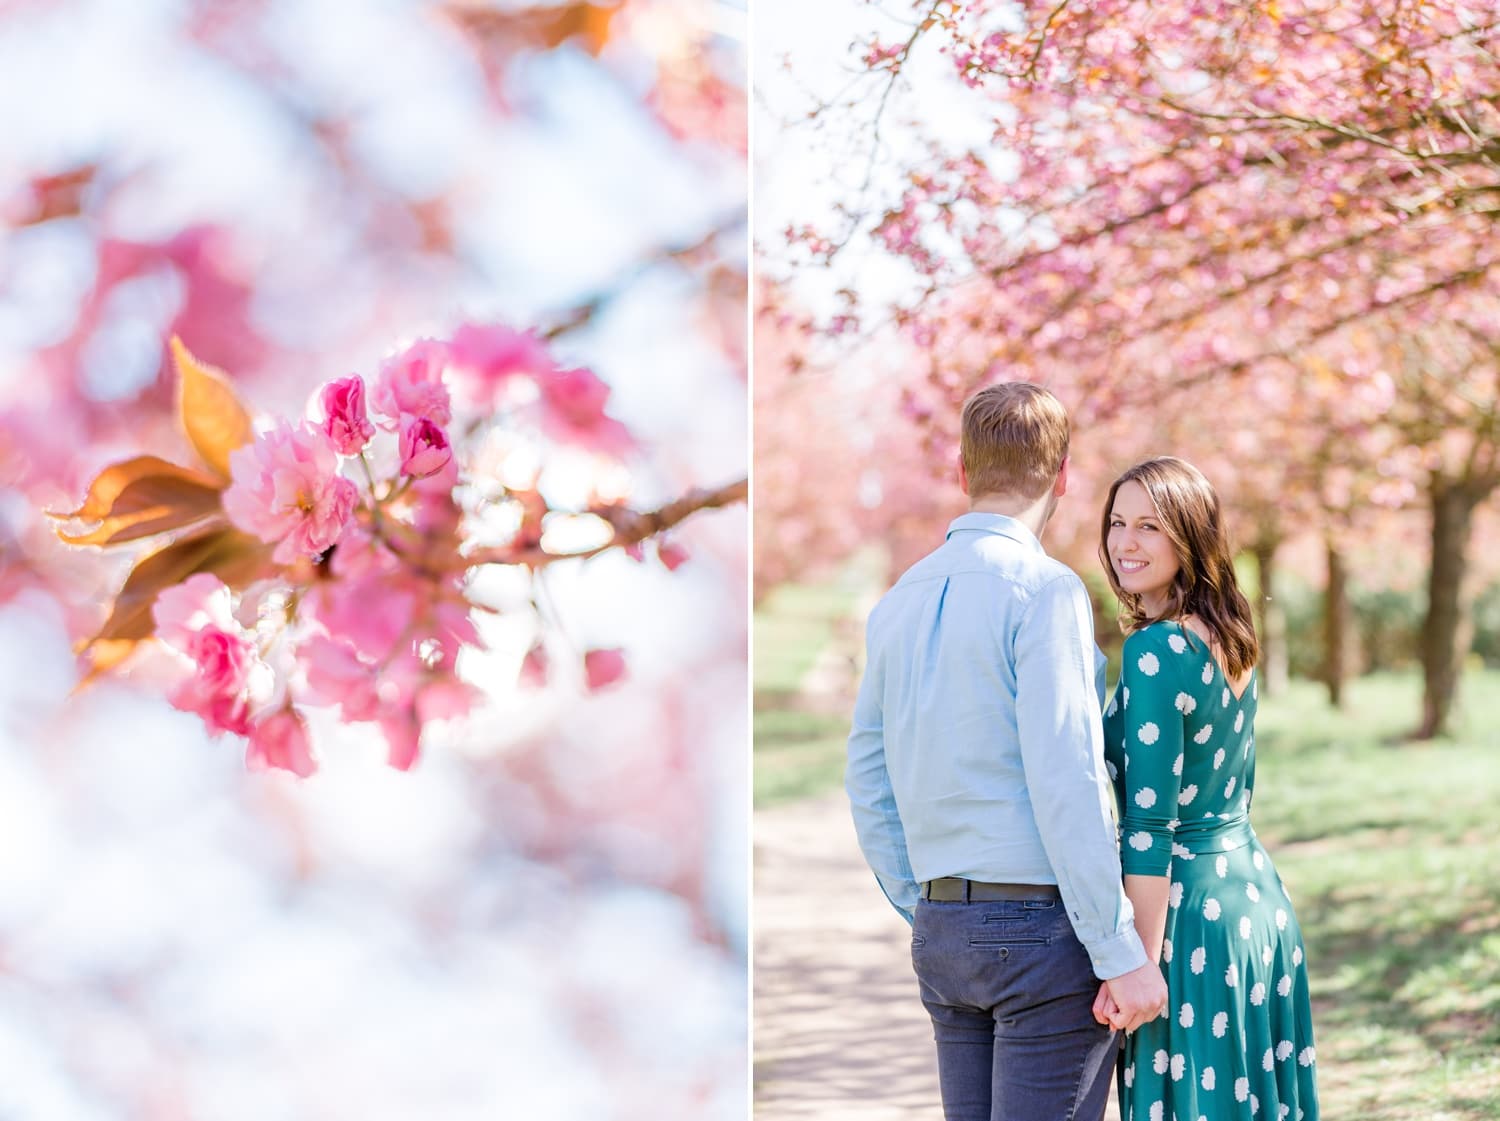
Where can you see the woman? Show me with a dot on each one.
(1236, 1040)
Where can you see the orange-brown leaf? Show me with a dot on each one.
(545, 26)
(140, 497)
(215, 420)
(235, 557)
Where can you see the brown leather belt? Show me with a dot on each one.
(951, 889)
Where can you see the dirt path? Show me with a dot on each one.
(839, 1032)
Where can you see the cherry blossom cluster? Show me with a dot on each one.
(336, 574)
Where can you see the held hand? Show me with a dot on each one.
(1140, 996)
(1105, 1006)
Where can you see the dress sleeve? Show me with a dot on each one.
(1153, 754)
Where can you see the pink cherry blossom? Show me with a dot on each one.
(411, 384)
(222, 669)
(281, 740)
(337, 675)
(487, 356)
(424, 448)
(345, 423)
(671, 554)
(287, 490)
(534, 667)
(573, 412)
(403, 737)
(371, 610)
(602, 668)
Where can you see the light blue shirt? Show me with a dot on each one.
(977, 748)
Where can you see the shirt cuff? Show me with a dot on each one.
(1117, 954)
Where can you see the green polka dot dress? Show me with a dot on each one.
(1237, 1041)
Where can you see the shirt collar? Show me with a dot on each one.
(997, 524)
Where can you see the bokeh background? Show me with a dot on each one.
(1247, 235)
(547, 917)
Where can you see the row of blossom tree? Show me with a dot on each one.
(1264, 226)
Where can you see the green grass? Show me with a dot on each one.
(1391, 852)
(799, 749)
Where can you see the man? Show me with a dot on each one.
(976, 777)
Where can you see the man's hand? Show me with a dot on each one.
(1132, 999)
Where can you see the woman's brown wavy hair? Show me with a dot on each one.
(1205, 584)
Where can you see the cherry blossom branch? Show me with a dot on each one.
(630, 527)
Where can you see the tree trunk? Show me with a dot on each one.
(1270, 619)
(1336, 626)
(1444, 638)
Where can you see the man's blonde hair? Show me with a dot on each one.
(1014, 441)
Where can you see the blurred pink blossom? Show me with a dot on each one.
(671, 554)
(488, 355)
(411, 384)
(345, 422)
(281, 740)
(602, 668)
(424, 448)
(195, 620)
(287, 490)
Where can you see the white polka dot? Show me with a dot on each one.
(1229, 787)
(1157, 1111)
(1266, 954)
(1282, 1110)
(1258, 993)
(1208, 672)
(1244, 926)
(1221, 1024)
(1211, 909)
(1253, 892)
(1232, 975)
(1258, 860)
(1114, 773)
(1254, 1105)
(1149, 733)
(1145, 797)
(1268, 1060)
(1189, 792)
(1204, 734)
(1177, 764)
(1208, 1076)
(1284, 1049)
(1140, 841)
(1179, 1064)
(1181, 852)
(1148, 664)
(1218, 755)
(1241, 1089)
(1185, 1015)
(1297, 955)
(1280, 919)
(1175, 896)
(1114, 705)
(1284, 986)
(1129, 1077)
(1198, 960)
(1186, 703)
(1177, 643)
(1166, 950)
(1227, 696)
(1221, 866)
(1306, 1056)
(1239, 721)
(1160, 1062)
(1125, 692)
